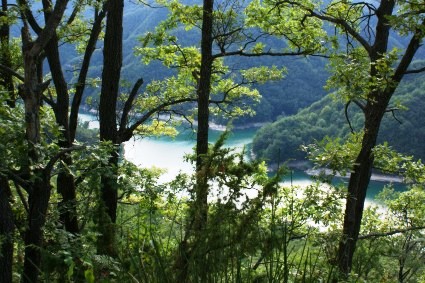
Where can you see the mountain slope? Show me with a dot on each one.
(281, 140)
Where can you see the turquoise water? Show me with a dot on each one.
(375, 187)
(168, 153)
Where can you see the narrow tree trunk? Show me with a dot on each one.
(204, 88)
(38, 203)
(31, 93)
(189, 251)
(6, 230)
(358, 184)
(37, 195)
(112, 62)
(65, 181)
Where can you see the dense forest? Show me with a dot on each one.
(403, 129)
(73, 209)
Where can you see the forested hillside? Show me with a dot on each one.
(302, 85)
(403, 129)
(73, 209)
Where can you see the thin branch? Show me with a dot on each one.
(126, 134)
(22, 197)
(81, 82)
(28, 15)
(346, 116)
(268, 53)
(360, 104)
(48, 169)
(390, 233)
(344, 24)
(415, 71)
(8, 70)
(18, 180)
(393, 112)
(129, 103)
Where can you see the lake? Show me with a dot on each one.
(168, 153)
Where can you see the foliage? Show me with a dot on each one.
(327, 118)
(231, 92)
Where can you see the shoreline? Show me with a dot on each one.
(374, 177)
(307, 167)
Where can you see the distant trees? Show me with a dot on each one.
(252, 229)
(37, 178)
(367, 70)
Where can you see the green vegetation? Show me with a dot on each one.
(283, 140)
(72, 209)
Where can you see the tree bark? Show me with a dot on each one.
(204, 89)
(375, 109)
(65, 181)
(112, 62)
(31, 93)
(6, 230)
(358, 184)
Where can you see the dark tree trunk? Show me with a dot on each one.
(374, 110)
(65, 181)
(357, 187)
(201, 205)
(31, 93)
(38, 203)
(6, 230)
(37, 195)
(112, 62)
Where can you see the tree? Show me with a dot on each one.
(36, 179)
(112, 62)
(65, 117)
(367, 70)
(204, 77)
(6, 219)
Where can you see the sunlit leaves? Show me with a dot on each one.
(350, 74)
(354, 76)
(335, 154)
(156, 128)
(289, 21)
(263, 74)
(394, 162)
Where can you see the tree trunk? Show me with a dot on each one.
(357, 187)
(65, 181)
(196, 251)
(201, 205)
(6, 230)
(112, 62)
(38, 203)
(31, 93)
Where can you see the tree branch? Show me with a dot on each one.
(126, 133)
(129, 103)
(8, 70)
(415, 71)
(390, 233)
(49, 29)
(81, 82)
(48, 168)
